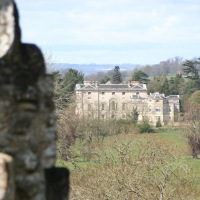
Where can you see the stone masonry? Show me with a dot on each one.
(117, 101)
(27, 115)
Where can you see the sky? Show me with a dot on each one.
(112, 31)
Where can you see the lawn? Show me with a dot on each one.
(126, 160)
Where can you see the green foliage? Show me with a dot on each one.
(145, 128)
(70, 79)
(158, 124)
(176, 84)
(64, 87)
(104, 80)
(134, 115)
(141, 77)
(165, 87)
(189, 87)
(195, 98)
(116, 77)
(190, 68)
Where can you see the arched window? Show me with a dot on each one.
(89, 107)
(102, 106)
(123, 106)
(113, 105)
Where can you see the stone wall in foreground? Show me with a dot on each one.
(27, 118)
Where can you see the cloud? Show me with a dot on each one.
(167, 25)
(96, 29)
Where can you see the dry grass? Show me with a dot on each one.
(136, 167)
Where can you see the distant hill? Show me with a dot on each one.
(90, 68)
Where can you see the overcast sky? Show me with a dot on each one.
(112, 31)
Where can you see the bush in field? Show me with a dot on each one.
(158, 124)
(145, 127)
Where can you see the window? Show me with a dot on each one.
(89, 93)
(113, 93)
(137, 93)
(102, 106)
(157, 118)
(123, 106)
(113, 106)
(157, 109)
(123, 93)
(103, 93)
(89, 106)
(113, 116)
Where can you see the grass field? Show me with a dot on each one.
(131, 165)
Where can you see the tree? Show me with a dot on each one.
(165, 87)
(104, 80)
(141, 77)
(134, 115)
(71, 78)
(190, 68)
(176, 84)
(195, 98)
(192, 116)
(64, 86)
(68, 83)
(116, 77)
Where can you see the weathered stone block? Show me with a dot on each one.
(7, 182)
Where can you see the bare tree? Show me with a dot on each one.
(192, 128)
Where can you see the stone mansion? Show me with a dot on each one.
(117, 101)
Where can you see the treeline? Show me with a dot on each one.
(171, 77)
(171, 66)
(184, 83)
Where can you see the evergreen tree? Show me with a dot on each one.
(141, 77)
(64, 86)
(116, 77)
(71, 78)
(134, 115)
(172, 86)
(190, 68)
(165, 87)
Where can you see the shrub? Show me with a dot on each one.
(158, 124)
(145, 128)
